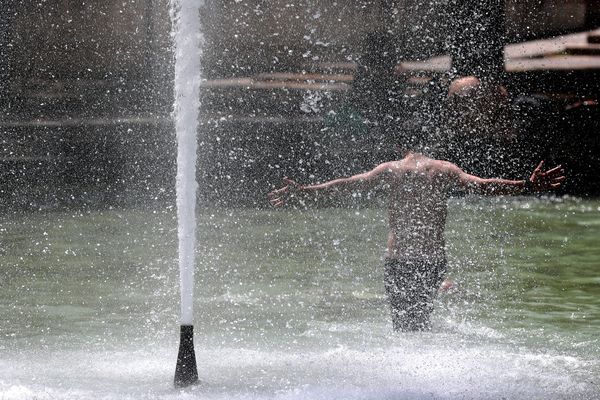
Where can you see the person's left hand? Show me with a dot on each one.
(551, 179)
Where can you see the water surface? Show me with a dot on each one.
(290, 304)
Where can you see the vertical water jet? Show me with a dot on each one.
(186, 31)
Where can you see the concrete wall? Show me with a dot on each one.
(535, 18)
(69, 39)
(67, 58)
(95, 40)
(252, 35)
(255, 35)
(85, 102)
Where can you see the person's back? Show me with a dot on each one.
(417, 207)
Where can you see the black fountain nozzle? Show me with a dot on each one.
(186, 373)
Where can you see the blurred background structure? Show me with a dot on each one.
(308, 89)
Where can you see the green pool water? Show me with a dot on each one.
(291, 304)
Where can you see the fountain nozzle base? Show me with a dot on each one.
(186, 373)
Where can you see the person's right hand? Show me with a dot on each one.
(279, 197)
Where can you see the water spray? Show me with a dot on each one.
(186, 29)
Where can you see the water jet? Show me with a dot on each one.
(185, 19)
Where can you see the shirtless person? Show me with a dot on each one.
(417, 189)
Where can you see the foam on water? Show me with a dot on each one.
(418, 366)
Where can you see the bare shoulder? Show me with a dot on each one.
(392, 167)
(380, 172)
(448, 168)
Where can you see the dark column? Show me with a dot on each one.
(7, 10)
(377, 88)
(592, 14)
(478, 37)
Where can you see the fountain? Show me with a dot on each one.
(293, 305)
(185, 17)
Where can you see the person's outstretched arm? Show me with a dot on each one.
(539, 181)
(357, 183)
